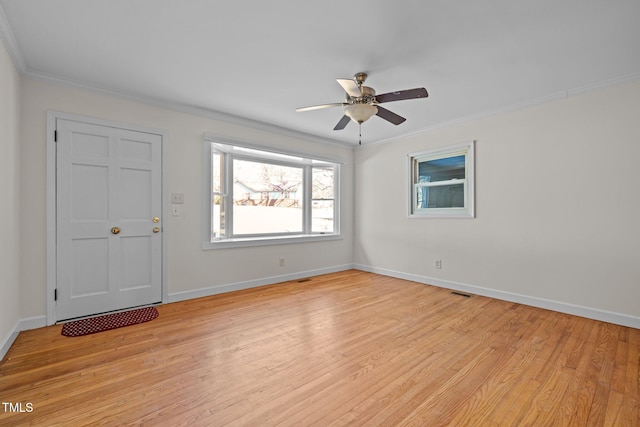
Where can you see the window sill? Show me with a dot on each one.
(267, 241)
(442, 213)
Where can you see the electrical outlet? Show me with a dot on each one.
(438, 263)
(281, 262)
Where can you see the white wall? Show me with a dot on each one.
(189, 267)
(9, 200)
(557, 201)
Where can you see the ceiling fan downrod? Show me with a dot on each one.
(360, 78)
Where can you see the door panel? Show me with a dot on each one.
(90, 277)
(107, 177)
(89, 192)
(136, 262)
(135, 187)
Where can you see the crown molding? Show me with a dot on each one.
(183, 108)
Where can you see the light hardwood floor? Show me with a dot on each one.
(349, 348)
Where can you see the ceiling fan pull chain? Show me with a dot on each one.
(360, 133)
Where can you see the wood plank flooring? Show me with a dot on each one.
(350, 348)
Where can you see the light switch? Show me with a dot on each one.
(177, 198)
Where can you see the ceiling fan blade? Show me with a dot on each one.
(389, 116)
(351, 87)
(344, 121)
(419, 92)
(317, 107)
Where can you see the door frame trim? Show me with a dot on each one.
(51, 189)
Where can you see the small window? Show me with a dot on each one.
(260, 197)
(442, 183)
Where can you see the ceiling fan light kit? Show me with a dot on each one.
(362, 103)
(360, 113)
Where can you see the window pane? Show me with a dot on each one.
(323, 184)
(217, 217)
(442, 169)
(217, 201)
(442, 196)
(322, 209)
(216, 172)
(267, 198)
(322, 216)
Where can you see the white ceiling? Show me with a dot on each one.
(259, 60)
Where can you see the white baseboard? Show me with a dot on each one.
(21, 325)
(34, 322)
(230, 287)
(7, 342)
(562, 307)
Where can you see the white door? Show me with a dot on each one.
(109, 229)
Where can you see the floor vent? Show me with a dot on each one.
(461, 294)
(304, 280)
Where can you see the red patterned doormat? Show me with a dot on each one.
(108, 321)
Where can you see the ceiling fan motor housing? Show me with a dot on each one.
(367, 93)
(360, 109)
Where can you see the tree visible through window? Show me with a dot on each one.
(258, 194)
(267, 198)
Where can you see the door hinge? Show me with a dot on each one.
(55, 136)
(55, 294)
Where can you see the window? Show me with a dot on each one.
(260, 197)
(442, 183)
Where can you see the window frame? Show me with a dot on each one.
(414, 159)
(234, 149)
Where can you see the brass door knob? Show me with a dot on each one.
(156, 220)
(156, 229)
(115, 230)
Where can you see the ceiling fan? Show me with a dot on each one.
(362, 102)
